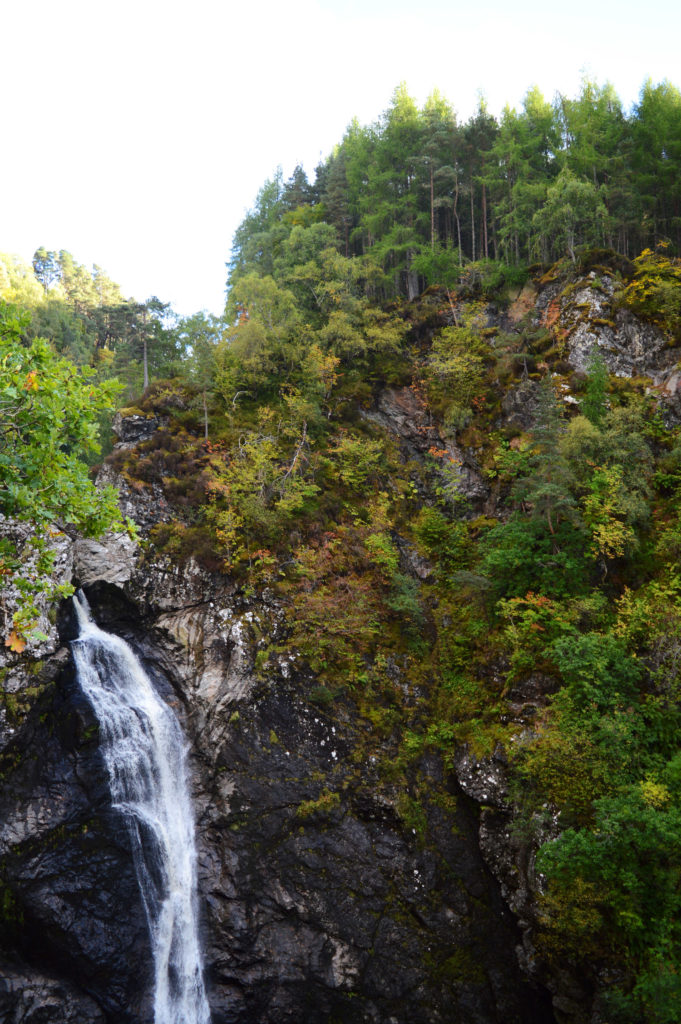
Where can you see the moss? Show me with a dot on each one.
(18, 704)
(325, 804)
(539, 341)
(135, 410)
(413, 814)
(604, 262)
(462, 967)
(322, 696)
(11, 912)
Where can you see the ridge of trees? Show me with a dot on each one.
(418, 194)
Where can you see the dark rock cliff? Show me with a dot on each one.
(318, 901)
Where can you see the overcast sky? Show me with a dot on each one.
(136, 133)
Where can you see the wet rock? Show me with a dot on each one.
(30, 997)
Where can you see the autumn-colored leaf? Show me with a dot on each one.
(31, 382)
(15, 642)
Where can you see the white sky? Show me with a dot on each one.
(136, 133)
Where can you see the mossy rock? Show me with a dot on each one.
(604, 261)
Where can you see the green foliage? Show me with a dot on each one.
(594, 404)
(533, 622)
(444, 541)
(573, 213)
(336, 611)
(455, 372)
(48, 420)
(630, 866)
(357, 460)
(418, 199)
(261, 490)
(438, 265)
(524, 555)
(598, 672)
(655, 291)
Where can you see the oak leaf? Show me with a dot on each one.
(15, 642)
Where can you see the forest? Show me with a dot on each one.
(522, 532)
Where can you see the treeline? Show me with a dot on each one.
(417, 194)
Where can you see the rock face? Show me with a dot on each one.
(588, 314)
(402, 412)
(26, 541)
(133, 428)
(33, 998)
(321, 898)
(628, 346)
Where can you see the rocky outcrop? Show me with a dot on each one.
(629, 346)
(130, 428)
(146, 506)
(588, 313)
(519, 405)
(402, 412)
(111, 560)
(28, 543)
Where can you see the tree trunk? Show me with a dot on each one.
(412, 279)
(432, 209)
(145, 361)
(456, 217)
(484, 220)
(472, 221)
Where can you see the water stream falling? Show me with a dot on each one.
(145, 754)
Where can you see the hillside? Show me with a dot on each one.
(406, 559)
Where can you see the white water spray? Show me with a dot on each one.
(145, 755)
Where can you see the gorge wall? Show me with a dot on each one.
(336, 884)
(318, 903)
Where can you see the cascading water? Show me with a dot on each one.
(145, 756)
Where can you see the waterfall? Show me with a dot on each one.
(145, 754)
